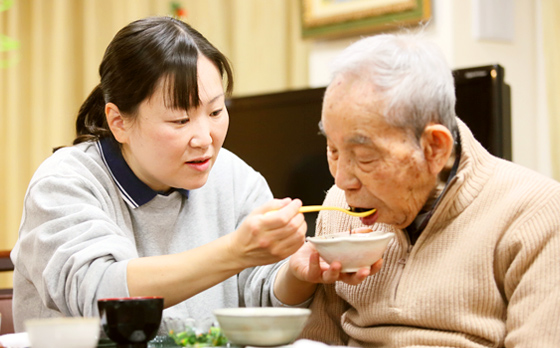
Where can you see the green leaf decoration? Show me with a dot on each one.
(5, 4)
(7, 44)
(8, 63)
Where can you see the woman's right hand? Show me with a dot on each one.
(269, 234)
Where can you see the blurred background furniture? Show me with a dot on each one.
(6, 265)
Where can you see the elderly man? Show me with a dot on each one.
(475, 259)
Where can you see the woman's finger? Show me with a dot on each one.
(272, 206)
(279, 218)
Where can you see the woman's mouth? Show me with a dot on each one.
(199, 164)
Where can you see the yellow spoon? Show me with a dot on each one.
(313, 208)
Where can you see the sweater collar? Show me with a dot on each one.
(474, 171)
(422, 219)
(133, 190)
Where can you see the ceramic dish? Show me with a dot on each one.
(352, 250)
(262, 326)
(71, 332)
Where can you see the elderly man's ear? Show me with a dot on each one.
(437, 143)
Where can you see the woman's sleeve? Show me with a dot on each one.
(70, 249)
(255, 283)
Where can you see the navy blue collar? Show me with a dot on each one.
(133, 190)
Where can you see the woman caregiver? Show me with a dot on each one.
(146, 202)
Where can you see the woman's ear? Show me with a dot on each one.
(116, 123)
(437, 143)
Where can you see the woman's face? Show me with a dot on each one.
(168, 148)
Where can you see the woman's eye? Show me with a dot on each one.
(182, 121)
(216, 113)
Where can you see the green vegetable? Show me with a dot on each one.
(189, 338)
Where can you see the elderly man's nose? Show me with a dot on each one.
(345, 177)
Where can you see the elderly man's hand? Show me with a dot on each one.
(307, 265)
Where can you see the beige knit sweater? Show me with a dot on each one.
(484, 273)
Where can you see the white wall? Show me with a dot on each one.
(452, 29)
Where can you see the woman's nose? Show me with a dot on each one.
(202, 136)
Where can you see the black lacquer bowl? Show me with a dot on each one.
(131, 321)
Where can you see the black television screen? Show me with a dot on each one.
(278, 134)
(483, 103)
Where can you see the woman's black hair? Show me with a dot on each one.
(140, 55)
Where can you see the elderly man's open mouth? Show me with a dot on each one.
(367, 220)
(359, 210)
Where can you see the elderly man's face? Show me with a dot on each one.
(377, 165)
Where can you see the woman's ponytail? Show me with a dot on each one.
(91, 123)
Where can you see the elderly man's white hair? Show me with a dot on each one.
(409, 73)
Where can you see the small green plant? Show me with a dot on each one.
(7, 45)
(190, 338)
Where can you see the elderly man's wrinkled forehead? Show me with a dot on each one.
(351, 101)
(352, 88)
(352, 139)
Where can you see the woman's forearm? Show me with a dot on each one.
(260, 240)
(177, 277)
